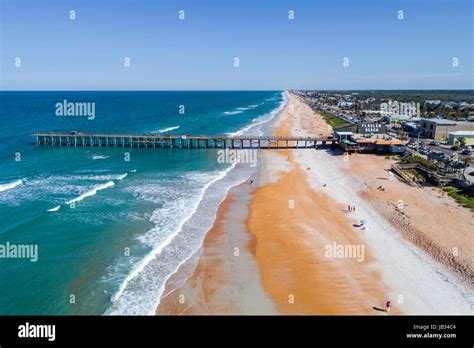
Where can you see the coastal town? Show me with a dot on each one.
(432, 139)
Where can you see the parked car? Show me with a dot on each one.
(437, 154)
(471, 173)
(466, 152)
(434, 143)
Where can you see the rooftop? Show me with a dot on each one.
(461, 132)
(446, 122)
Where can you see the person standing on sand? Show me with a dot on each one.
(388, 306)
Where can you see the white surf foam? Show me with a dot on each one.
(91, 192)
(55, 208)
(122, 176)
(104, 177)
(168, 129)
(233, 112)
(261, 120)
(10, 185)
(99, 157)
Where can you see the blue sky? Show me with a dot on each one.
(275, 53)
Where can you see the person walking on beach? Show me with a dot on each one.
(353, 208)
(348, 208)
(388, 306)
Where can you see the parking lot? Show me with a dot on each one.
(443, 148)
(441, 153)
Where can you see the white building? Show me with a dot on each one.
(467, 135)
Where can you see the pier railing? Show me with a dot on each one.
(181, 141)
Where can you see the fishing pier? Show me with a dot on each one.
(75, 139)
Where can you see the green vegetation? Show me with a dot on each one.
(461, 196)
(331, 120)
(416, 174)
(421, 160)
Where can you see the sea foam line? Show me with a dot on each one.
(10, 185)
(168, 129)
(262, 119)
(233, 112)
(99, 157)
(91, 192)
(122, 176)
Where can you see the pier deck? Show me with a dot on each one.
(181, 141)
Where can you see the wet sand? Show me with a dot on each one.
(225, 278)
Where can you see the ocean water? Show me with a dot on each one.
(110, 231)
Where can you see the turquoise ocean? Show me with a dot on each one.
(133, 222)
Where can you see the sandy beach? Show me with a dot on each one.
(287, 244)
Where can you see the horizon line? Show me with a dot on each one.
(235, 90)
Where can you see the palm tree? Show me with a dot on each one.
(467, 162)
(462, 142)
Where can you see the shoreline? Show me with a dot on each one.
(223, 280)
(187, 288)
(288, 274)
